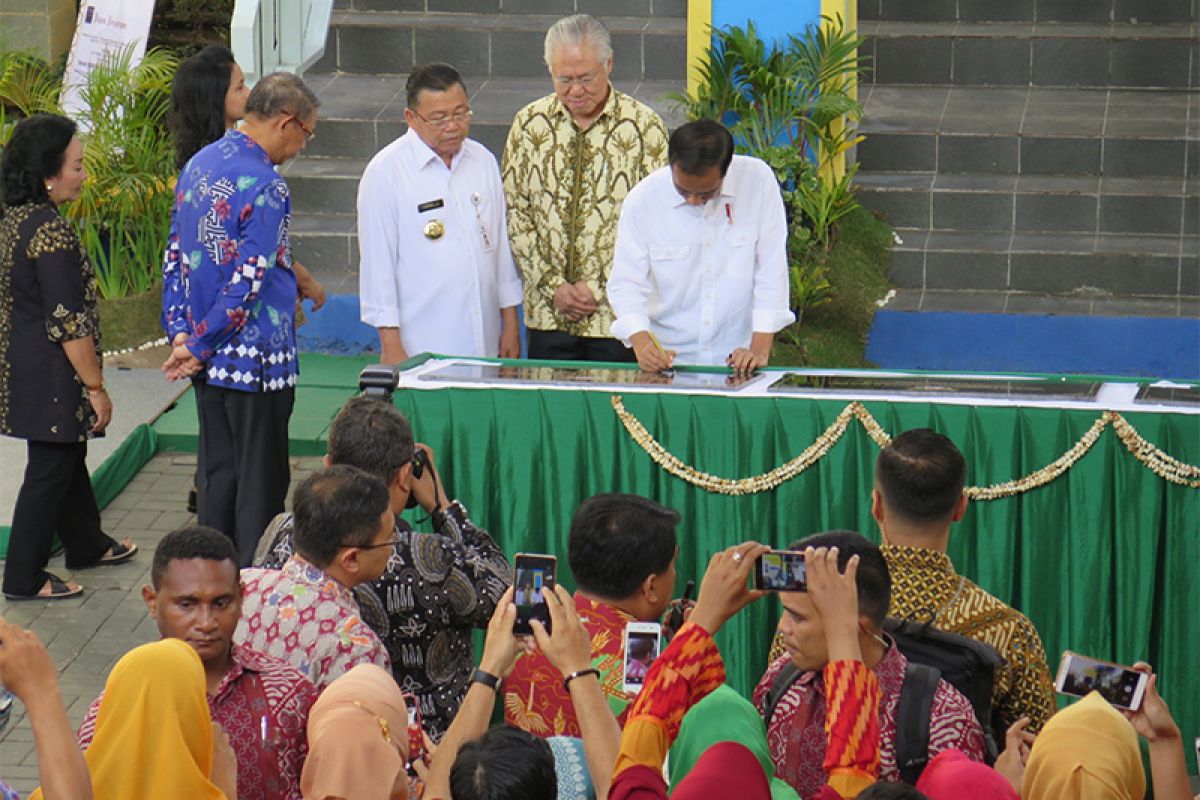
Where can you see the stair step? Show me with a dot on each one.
(1026, 53)
(1081, 305)
(1029, 203)
(1124, 11)
(1118, 133)
(392, 42)
(561, 8)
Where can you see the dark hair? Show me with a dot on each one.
(884, 790)
(185, 544)
(873, 579)
(197, 115)
(435, 77)
(504, 764)
(35, 153)
(372, 435)
(698, 146)
(921, 476)
(619, 540)
(337, 507)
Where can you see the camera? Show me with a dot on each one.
(379, 381)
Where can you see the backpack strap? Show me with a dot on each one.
(779, 686)
(912, 720)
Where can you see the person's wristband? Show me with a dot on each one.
(487, 679)
(579, 674)
(95, 389)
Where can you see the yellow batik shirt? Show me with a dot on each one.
(925, 583)
(564, 188)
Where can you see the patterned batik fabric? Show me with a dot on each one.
(534, 697)
(48, 296)
(265, 723)
(301, 615)
(564, 188)
(925, 586)
(227, 271)
(571, 769)
(796, 731)
(437, 588)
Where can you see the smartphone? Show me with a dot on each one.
(1080, 675)
(416, 738)
(531, 572)
(642, 641)
(780, 571)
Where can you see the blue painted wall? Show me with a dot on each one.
(774, 19)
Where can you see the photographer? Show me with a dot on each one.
(437, 587)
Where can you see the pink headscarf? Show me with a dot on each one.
(952, 776)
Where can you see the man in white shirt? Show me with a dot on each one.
(435, 272)
(700, 273)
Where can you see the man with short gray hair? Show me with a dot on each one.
(229, 300)
(570, 159)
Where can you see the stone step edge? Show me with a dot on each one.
(1151, 186)
(496, 22)
(1109, 32)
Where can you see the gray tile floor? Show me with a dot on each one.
(86, 636)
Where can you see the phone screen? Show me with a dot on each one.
(416, 742)
(530, 574)
(641, 648)
(1079, 676)
(780, 571)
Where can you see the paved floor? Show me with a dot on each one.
(87, 636)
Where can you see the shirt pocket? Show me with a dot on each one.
(666, 254)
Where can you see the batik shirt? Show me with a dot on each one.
(262, 705)
(227, 271)
(534, 697)
(303, 616)
(564, 188)
(925, 586)
(436, 589)
(796, 730)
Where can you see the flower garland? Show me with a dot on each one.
(1160, 463)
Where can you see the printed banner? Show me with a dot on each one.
(103, 27)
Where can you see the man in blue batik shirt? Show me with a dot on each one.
(229, 299)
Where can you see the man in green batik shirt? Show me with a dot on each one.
(571, 158)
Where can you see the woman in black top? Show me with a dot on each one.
(51, 384)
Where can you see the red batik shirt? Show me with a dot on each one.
(270, 756)
(534, 697)
(796, 731)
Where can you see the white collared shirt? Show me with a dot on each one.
(444, 294)
(702, 278)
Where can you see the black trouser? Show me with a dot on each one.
(242, 468)
(56, 497)
(563, 346)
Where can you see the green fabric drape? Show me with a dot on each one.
(1104, 560)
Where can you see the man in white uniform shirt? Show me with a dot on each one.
(436, 273)
(700, 272)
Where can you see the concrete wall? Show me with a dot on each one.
(44, 27)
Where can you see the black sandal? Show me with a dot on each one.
(119, 555)
(59, 590)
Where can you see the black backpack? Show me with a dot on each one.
(966, 664)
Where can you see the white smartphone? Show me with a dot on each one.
(1081, 675)
(642, 641)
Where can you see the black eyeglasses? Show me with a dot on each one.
(392, 542)
(308, 135)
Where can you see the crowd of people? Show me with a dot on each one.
(326, 652)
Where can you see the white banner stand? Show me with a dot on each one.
(104, 28)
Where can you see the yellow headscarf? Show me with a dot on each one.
(357, 738)
(1087, 751)
(153, 735)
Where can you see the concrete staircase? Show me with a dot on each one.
(1036, 156)
(496, 44)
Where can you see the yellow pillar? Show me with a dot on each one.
(699, 39)
(847, 10)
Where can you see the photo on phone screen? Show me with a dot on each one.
(416, 741)
(780, 571)
(642, 643)
(1080, 676)
(530, 574)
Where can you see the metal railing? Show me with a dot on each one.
(278, 35)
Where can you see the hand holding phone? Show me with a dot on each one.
(416, 733)
(532, 572)
(642, 643)
(780, 571)
(1121, 686)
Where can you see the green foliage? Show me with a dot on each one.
(124, 210)
(790, 105)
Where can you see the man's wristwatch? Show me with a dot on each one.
(487, 679)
